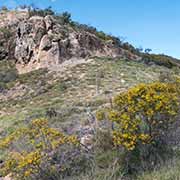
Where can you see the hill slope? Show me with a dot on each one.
(78, 88)
(57, 69)
(41, 39)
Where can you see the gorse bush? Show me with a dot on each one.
(32, 152)
(146, 113)
(142, 119)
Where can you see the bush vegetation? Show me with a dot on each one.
(136, 137)
(5, 45)
(160, 59)
(143, 118)
(34, 11)
(3, 8)
(137, 134)
(5, 34)
(8, 74)
(38, 151)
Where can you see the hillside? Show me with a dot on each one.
(42, 39)
(54, 68)
(76, 87)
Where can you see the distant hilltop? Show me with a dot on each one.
(37, 38)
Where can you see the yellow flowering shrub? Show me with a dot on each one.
(40, 141)
(143, 114)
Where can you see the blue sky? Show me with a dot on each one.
(151, 24)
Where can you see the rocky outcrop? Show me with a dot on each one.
(12, 18)
(42, 42)
(9, 21)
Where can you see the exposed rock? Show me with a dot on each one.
(43, 42)
(87, 140)
(9, 21)
(12, 18)
(29, 36)
(8, 177)
(49, 22)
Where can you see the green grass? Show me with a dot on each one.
(170, 171)
(75, 88)
(71, 94)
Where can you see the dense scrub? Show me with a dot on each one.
(160, 59)
(136, 137)
(142, 122)
(139, 131)
(38, 151)
(8, 74)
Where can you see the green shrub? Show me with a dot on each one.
(3, 8)
(40, 12)
(161, 60)
(8, 76)
(143, 118)
(5, 32)
(38, 151)
(130, 48)
(66, 17)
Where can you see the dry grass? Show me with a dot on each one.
(75, 88)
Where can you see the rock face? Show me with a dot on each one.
(9, 21)
(12, 18)
(42, 42)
